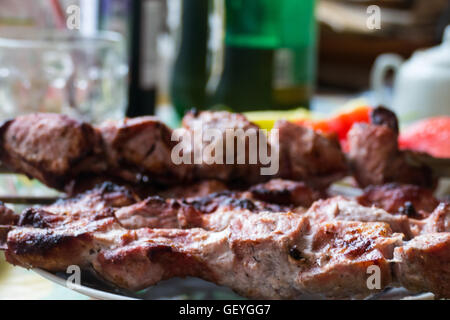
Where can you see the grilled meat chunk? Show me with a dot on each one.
(424, 262)
(264, 255)
(222, 122)
(375, 157)
(285, 192)
(414, 201)
(60, 151)
(153, 212)
(51, 148)
(253, 255)
(139, 150)
(93, 204)
(382, 116)
(342, 209)
(214, 211)
(306, 155)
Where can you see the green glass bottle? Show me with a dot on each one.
(270, 52)
(190, 72)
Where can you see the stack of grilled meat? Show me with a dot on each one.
(275, 237)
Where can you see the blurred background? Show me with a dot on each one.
(212, 54)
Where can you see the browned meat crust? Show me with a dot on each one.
(381, 116)
(306, 155)
(424, 262)
(139, 150)
(222, 121)
(60, 151)
(376, 159)
(286, 192)
(411, 200)
(340, 208)
(266, 255)
(196, 189)
(320, 251)
(154, 211)
(253, 255)
(214, 211)
(51, 148)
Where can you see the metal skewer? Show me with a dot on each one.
(28, 199)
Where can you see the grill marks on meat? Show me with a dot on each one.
(249, 251)
(411, 200)
(342, 209)
(94, 205)
(375, 158)
(153, 212)
(306, 155)
(214, 211)
(251, 256)
(56, 248)
(58, 150)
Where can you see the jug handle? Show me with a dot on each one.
(382, 65)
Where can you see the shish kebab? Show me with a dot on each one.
(259, 254)
(73, 156)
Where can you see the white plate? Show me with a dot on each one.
(90, 292)
(176, 288)
(190, 288)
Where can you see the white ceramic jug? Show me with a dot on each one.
(421, 84)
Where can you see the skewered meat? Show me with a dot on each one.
(306, 155)
(155, 211)
(251, 256)
(375, 157)
(222, 121)
(414, 201)
(139, 150)
(58, 151)
(340, 208)
(312, 252)
(266, 255)
(51, 148)
(215, 211)
(424, 262)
